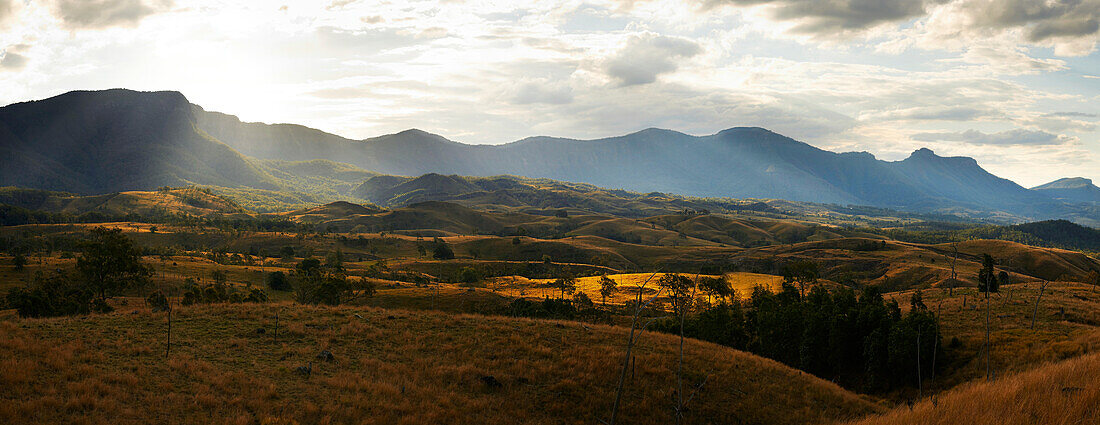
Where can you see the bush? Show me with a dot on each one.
(278, 281)
(157, 301)
(54, 295)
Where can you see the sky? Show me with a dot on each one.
(1012, 83)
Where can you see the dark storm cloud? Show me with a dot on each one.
(1017, 137)
(647, 56)
(96, 14)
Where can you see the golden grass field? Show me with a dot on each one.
(391, 367)
(1062, 393)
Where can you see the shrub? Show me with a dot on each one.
(157, 301)
(278, 281)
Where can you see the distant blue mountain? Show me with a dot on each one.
(119, 139)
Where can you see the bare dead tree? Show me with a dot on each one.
(987, 346)
(168, 345)
(954, 275)
(935, 348)
(684, 307)
(635, 332)
(1035, 312)
(920, 386)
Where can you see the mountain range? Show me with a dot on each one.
(91, 142)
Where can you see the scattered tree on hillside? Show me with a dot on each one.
(582, 301)
(287, 253)
(562, 213)
(335, 260)
(608, 288)
(716, 287)
(157, 302)
(110, 264)
(680, 291)
(278, 281)
(802, 274)
(326, 284)
(19, 261)
(442, 251)
(987, 277)
(566, 284)
(219, 277)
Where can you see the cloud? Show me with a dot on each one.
(1016, 137)
(1041, 20)
(12, 58)
(7, 11)
(648, 55)
(934, 113)
(12, 61)
(97, 14)
(1010, 60)
(828, 17)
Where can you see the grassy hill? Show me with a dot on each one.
(189, 201)
(390, 366)
(1060, 393)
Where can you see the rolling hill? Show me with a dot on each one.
(390, 366)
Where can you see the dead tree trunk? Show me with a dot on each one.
(168, 346)
(1035, 312)
(920, 387)
(987, 346)
(638, 308)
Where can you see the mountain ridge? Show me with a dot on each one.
(148, 133)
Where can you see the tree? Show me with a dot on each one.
(581, 300)
(277, 281)
(219, 277)
(987, 277)
(335, 260)
(802, 274)
(327, 284)
(562, 213)
(717, 287)
(53, 295)
(157, 302)
(566, 284)
(287, 253)
(442, 251)
(19, 261)
(110, 264)
(680, 291)
(608, 287)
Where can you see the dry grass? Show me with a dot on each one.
(1061, 393)
(1015, 346)
(627, 283)
(392, 366)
